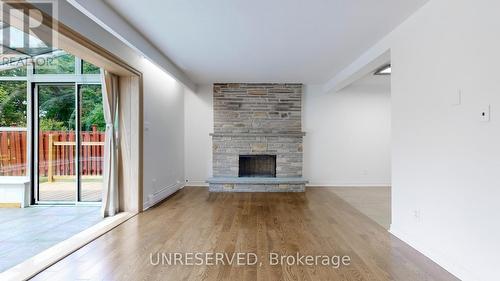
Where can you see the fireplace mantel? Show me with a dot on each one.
(288, 134)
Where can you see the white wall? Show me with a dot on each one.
(348, 134)
(445, 161)
(198, 124)
(163, 134)
(163, 109)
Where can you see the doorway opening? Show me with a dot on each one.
(359, 127)
(51, 146)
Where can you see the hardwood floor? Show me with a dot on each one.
(374, 202)
(317, 222)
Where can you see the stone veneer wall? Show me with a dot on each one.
(257, 108)
(253, 119)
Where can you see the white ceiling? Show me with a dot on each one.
(306, 41)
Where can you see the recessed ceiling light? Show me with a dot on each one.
(384, 70)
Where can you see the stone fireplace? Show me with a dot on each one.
(257, 138)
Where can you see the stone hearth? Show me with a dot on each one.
(263, 120)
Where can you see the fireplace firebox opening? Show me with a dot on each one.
(257, 166)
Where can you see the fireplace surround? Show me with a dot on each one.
(257, 138)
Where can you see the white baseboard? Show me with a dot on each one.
(320, 184)
(161, 195)
(442, 259)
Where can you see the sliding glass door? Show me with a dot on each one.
(69, 143)
(56, 142)
(92, 128)
(52, 127)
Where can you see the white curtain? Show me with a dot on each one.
(110, 94)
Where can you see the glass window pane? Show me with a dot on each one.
(19, 71)
(61, 64)
(56, 143)
(13, 108)
(92, 139)
(13, 104)
(88, 68)
(15, 45)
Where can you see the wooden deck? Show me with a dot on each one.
(65, 191)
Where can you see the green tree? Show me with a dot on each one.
(48, 124)
(88, 68)
(58, 104)
(92, 111)
(63, 64)
(19, 71)
(57, 109)
(13, 104)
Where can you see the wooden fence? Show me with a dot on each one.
(12, 153)
(57, 153)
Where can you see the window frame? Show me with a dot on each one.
(32, 79)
